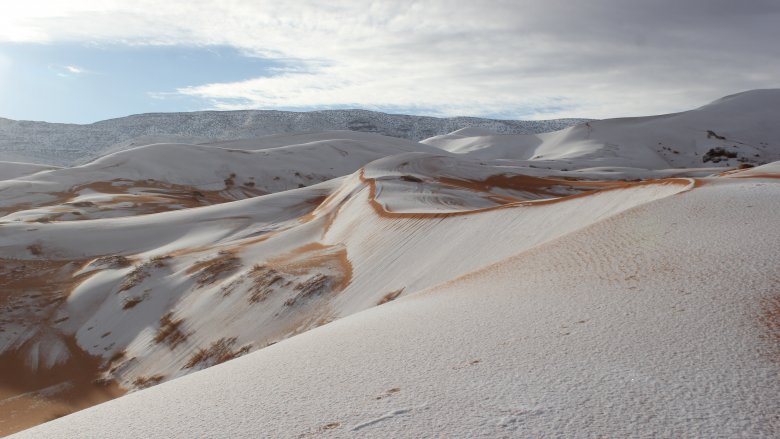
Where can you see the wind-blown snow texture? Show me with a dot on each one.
(69, 144)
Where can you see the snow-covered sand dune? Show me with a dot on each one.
(530, 296)
(163, 177)
(10, 170)
(637, 325)
(741, 128)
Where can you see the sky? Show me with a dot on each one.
(82, 61)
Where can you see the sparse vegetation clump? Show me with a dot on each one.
(35, 249)
(144, 382)
(83, 204)
(315, 285)
(160, 261)
(131, 302)
(141, 272)
(262, 281)
(263, 278)
(135, 277)
(228, 288)
(170, 332)
(117, 356)
(218, 352)
(112, 262)
(211, 270)
(390, 296)
(711, 134)
(716, 155)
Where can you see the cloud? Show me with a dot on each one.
(75, 70)
(68, 71)
(520, 58)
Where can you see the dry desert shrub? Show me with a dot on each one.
(169, 331)
(144, 382)
(35, 249)
(218, 352)
(160, 261)
(135, 277)
(119, 355)
(390, 296)
(142, 272)
(228, 288)
(263, 279)
(131, 302)
(112, 262)
(715, 155)
(209, 271)
(315, 285)
(83, 204)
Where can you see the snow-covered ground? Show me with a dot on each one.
(10, 170)
(639, 325)
(172, 176)
(741, 128)
(377, 287)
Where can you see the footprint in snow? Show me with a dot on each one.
(470, 363)
(388, 393)
(322, 429)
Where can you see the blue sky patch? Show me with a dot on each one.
(83, 83)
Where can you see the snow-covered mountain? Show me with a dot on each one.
(69, 144)
(378, 287)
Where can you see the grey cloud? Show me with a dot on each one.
(599, 57)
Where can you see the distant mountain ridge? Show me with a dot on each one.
(69, 144)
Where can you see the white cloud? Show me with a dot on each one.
(74, 69)
(518, 58)
(68, 71)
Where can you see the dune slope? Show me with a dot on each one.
(635, 325)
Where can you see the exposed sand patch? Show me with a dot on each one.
(28, 397)
(315, 255)
(134, 196)
(31, 393)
